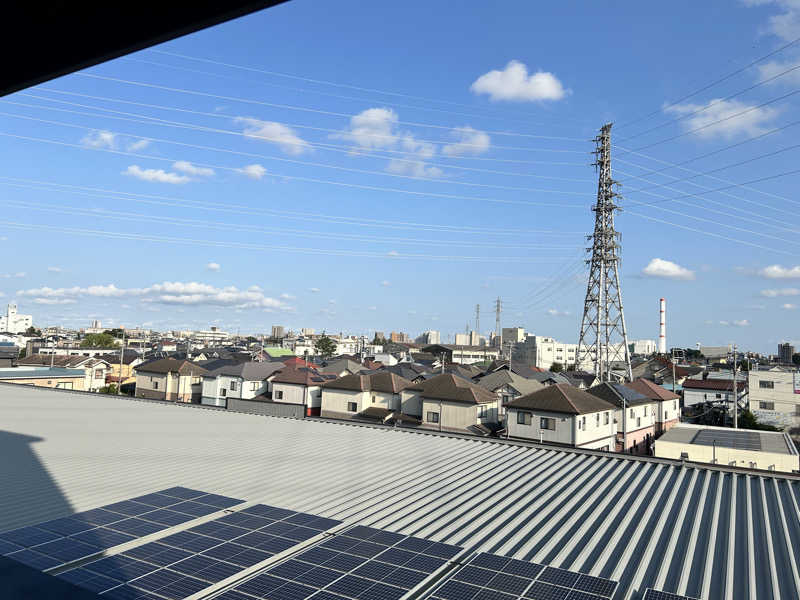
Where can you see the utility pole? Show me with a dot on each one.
(121, 359)
(603, 316)
(478, 318)
(498, 333)
(735, 392)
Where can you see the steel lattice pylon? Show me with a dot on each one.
(604, 339)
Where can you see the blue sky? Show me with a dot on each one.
(353, 167)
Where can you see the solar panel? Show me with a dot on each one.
(651, 594)
(57, 542)
(362, 563)
(188, 561)
(493, 577)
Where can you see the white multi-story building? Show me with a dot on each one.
(775, 396)
(212, 336)
(13, 322)
(431, 337)
(542, 352)
(513, 335)
(643, 347)
(463, 339)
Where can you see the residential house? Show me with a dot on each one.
(8, 354)
(237, 381)
(564, 415)
(582, 380)
(94, 370)
(668, 410)
(447, 402)
(372, 396)
(710, 389)
(634, 415)
(169, 379)
(57, 377)
(300, 385)
(124, 374)
(342, 366)
(508, 386)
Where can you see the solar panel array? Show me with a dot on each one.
(186, 562)
(493, 577)
(745, 440)
(60, 541)
(651, 594)
(362, 563)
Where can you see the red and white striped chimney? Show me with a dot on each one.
(662, 333)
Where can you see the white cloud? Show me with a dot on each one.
(773, 69)
(277, 133)
(372, 308)
(751, 123)
(313, 290)
(184, 166)
(393, 253)
(254, 171)
(170, 293)
(385, 283)
(331, 301)
(212, 266)
(736, 323)
(780, 272)
(155, 175)
(416, 166)
(553, 312)
(785, 25)
(17, 275)
(137, 145)
(468, 141)
(666, 269)
(55, 270)
(372, 129)
(788, 306)
(255, 288)
(775, 293)
(514, 83)
(54, 301)
(286, 296)
(99, 139)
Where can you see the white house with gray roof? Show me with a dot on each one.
(243, 381)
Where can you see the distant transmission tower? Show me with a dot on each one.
(604, 339)
(478, 318)
(498, 333)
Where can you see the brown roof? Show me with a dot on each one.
(453, 388)
(561, 398)
(302, 376)
(376, 382)
(651, 390)
(59, 361)
(171, 365)
(712, 384)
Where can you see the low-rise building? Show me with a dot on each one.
(238, 381)
(13, 322)
(775, 397)
(634, 415)
(508, 386)
(123, 373)
(564, 415)
(375, 396)
(300, 385)
(710, 389)
(542, 352)
(768, 450)
(94, 370)
(463, 355)
(668, 410)
(448, 402)
(169, 379)
(56, 377)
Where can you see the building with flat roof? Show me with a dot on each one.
(770, 450)
(704, 531)
(56, 377)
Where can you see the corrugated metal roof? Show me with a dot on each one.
(40, 373)
(705, 532)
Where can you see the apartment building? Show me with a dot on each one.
(542, 352)
(775, 397)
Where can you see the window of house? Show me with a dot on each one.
(373, 399)
(233, 386)
(719, 395)
(766, 385)
(432, 417)
(253, 386)
(797, 410)
(279, 395)
(155, 385)
(638, 421)
(584, 423)
(597, 424)
(98, 374)
(64, 385)
(483, 411)
(766, 405)
(633, 413)
(524, 418)
(223, 392)
(506, 398)
(547, 423)
(352, 407)
(675, 405)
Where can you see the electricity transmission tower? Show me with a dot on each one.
(498, 333)
(478, 318)
(603, 338)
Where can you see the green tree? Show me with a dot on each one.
(379, 341)
(99, 340)
(111, 388)
(32, 331)
(796, 358)
(556, 367)
(325, 346)
(747, 420)
(22, 353)
(116, 332)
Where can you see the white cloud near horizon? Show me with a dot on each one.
(751, 122)
(736, 323)
(213, 266)
(168, 293)
(788, 306)
(276, 133)
(184, 166)
(775, 293)
(780, 272)
(55, 270)
(155, 175)
(514, 83)
(665, 269)
(554, 312)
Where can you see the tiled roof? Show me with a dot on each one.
(302, 376)
(375, 382)
(651, 390)
(453, 388)
(171, 365)
(561, 398)
(712, 384)
(617, 394)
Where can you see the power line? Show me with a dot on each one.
(297, 215)
(297, 177)
(713, 83)
(349, 150)
(312, 110)
(711, 104)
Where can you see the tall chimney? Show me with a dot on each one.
(662, 332)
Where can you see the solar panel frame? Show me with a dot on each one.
(653, 594)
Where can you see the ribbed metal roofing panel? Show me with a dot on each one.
(711, 533)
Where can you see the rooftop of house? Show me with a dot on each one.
(497, 379)
(453, 388)
(725, 437)
(171, 365)
(561, 398)
(718, 385)
(40, 373)
(374, 382)
(651, 390)
(249, 371)
(302, 376)
(431, 485)
(60, 360)
(618, 394)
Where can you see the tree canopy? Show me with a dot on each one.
(32, 331)
(116, 332)
(325, 346)
(99, 340)
(556, 367)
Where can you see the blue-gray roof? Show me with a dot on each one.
(24, 373)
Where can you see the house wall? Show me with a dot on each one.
(786, 404)
(564, 432)
(266, 408)
(334, 403)
(695, 396)
(453, 416)
(161, 386)
(411, 403)
(595, 430)
(639, 423)
(292, 393)
(73, 383)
